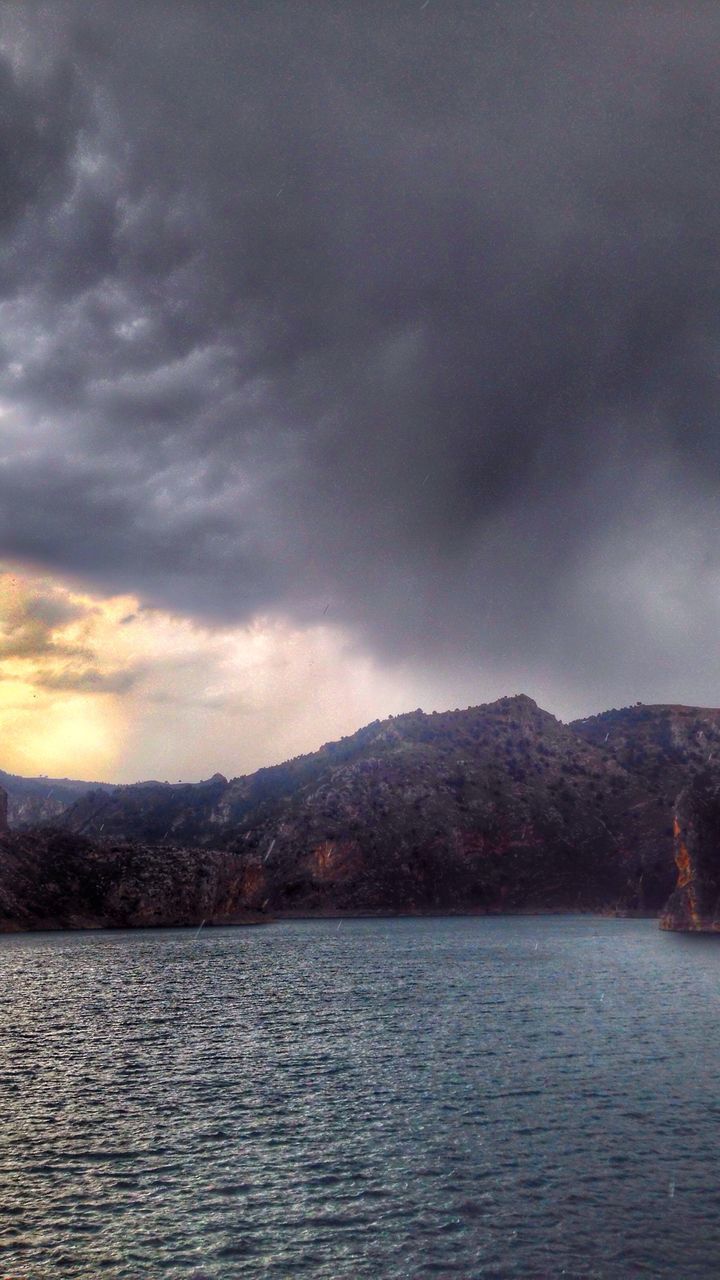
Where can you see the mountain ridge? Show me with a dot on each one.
(495, 807)
(42, 784)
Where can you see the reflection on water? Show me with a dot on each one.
(401, 1098)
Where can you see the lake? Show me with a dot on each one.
(473, 1097)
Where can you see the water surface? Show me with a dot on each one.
(502, 1097)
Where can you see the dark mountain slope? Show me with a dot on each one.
(663, 745)
(499, 806)
(52, 879)
(183, 812)
(35, 800)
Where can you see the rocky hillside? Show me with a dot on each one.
(183, 812)
(663, 745)
(500, 807)
(35, 800)
(52, 879)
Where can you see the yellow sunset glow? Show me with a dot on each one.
(104, 689)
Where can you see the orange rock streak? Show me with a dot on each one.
(685, 875)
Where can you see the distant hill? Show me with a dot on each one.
(35, 800)
(498, 807)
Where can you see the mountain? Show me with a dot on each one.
(498, 807)
(35, 800)
(187, 812)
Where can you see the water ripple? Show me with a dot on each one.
(396, 1099)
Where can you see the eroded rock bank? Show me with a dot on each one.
(57, 880)
(694, 907)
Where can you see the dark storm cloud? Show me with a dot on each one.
(407, 307)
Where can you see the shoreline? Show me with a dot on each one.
(280, 917)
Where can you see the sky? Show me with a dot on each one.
(354, 357)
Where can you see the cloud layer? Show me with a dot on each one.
(108, 689)
(401, 316)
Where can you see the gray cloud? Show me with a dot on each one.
(89, 680)
(407, 308)
(29, 623)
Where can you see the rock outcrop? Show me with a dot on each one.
(57, 880)
(694, 907)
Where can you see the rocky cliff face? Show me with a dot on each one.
(695, 904)
(55, 880)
